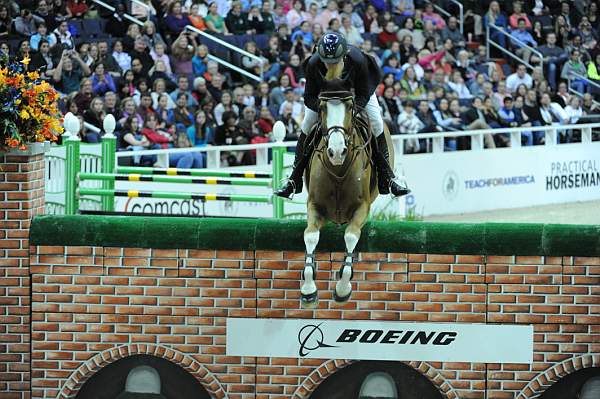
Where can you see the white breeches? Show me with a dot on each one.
(373, 111)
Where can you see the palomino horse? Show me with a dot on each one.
(342, 185)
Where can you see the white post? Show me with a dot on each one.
(515, 139)
(477, 142)
(438, 144)
(586, 135)
(551, 137)
(213, 159)
(262, 156)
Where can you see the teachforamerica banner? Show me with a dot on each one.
(473, 181)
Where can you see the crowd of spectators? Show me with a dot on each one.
(158, 81)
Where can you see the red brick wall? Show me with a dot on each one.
(21, 197)
(89, 302)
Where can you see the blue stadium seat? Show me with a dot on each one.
(262, 41)
(76, 27)
(92, 27)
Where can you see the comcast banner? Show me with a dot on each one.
(375, 340)
(472, 181)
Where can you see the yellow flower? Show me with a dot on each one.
(25, 61)
(23, 114)
(18, 101)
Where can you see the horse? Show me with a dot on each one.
(342, 185)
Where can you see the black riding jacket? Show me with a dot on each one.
(361, 74)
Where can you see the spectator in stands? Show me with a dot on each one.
(68, 73)
(351, 33)
(517, 15)
(495, 17)
(522, 36)
(201, 133)
(410, 83)
(145, 106)
(458, 86)
(409, 123)
(235, 21)
(134, 140)
(25, 24)
(183, 86)
(593, 74)
(214, 21)
(182, 112)
(228, 132)
(268, 22)
(183, 50)
(435, 18)
(506, 113)
(453, 33)
(328, 14)
(151, 36)
(390, 104)
(589, 106)
(296, 16)
(520, 77)
(297, 107)
(388, 35)
(110, 104)
(76, 8)
(84, 97)
(575, 71)
(122, 59)
(554, 56)
(574, 110)
(176, 20)
(390, 66)
(94, 115)
(163, 111)
(6, 21)
(225, 105)
(42, 34)
(474, 119)
(42, 61)
(551, 113)
(101, 80)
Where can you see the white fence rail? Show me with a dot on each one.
(90, 158)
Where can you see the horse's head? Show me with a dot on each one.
(335, 110)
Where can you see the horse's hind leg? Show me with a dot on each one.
(308, 290)
(343, 288)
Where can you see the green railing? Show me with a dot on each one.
(110, 172)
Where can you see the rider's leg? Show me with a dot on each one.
(294, 183)
(381, 154)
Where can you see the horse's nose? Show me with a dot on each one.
(344, 151)
(330, 152)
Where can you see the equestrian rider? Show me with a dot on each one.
(359, 72)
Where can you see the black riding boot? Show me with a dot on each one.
(385, 174)
(294, 183)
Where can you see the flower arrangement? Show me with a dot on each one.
(28, 107)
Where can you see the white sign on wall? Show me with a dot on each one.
(473, 181)
(377, 340)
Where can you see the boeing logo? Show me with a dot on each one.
(310, 337)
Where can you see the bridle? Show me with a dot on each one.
(349, 135)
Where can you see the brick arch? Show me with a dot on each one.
(325, 370)
(87, 369)
(553, 374)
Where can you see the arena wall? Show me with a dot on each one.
(105, 288)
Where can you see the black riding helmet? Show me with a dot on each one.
(332, 47)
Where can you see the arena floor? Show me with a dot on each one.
(572, 213)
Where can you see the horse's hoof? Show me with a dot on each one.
(309, 301)
(341, 299)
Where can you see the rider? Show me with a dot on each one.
(361, 73)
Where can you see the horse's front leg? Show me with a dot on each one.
(308, 290)
(343, 288)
